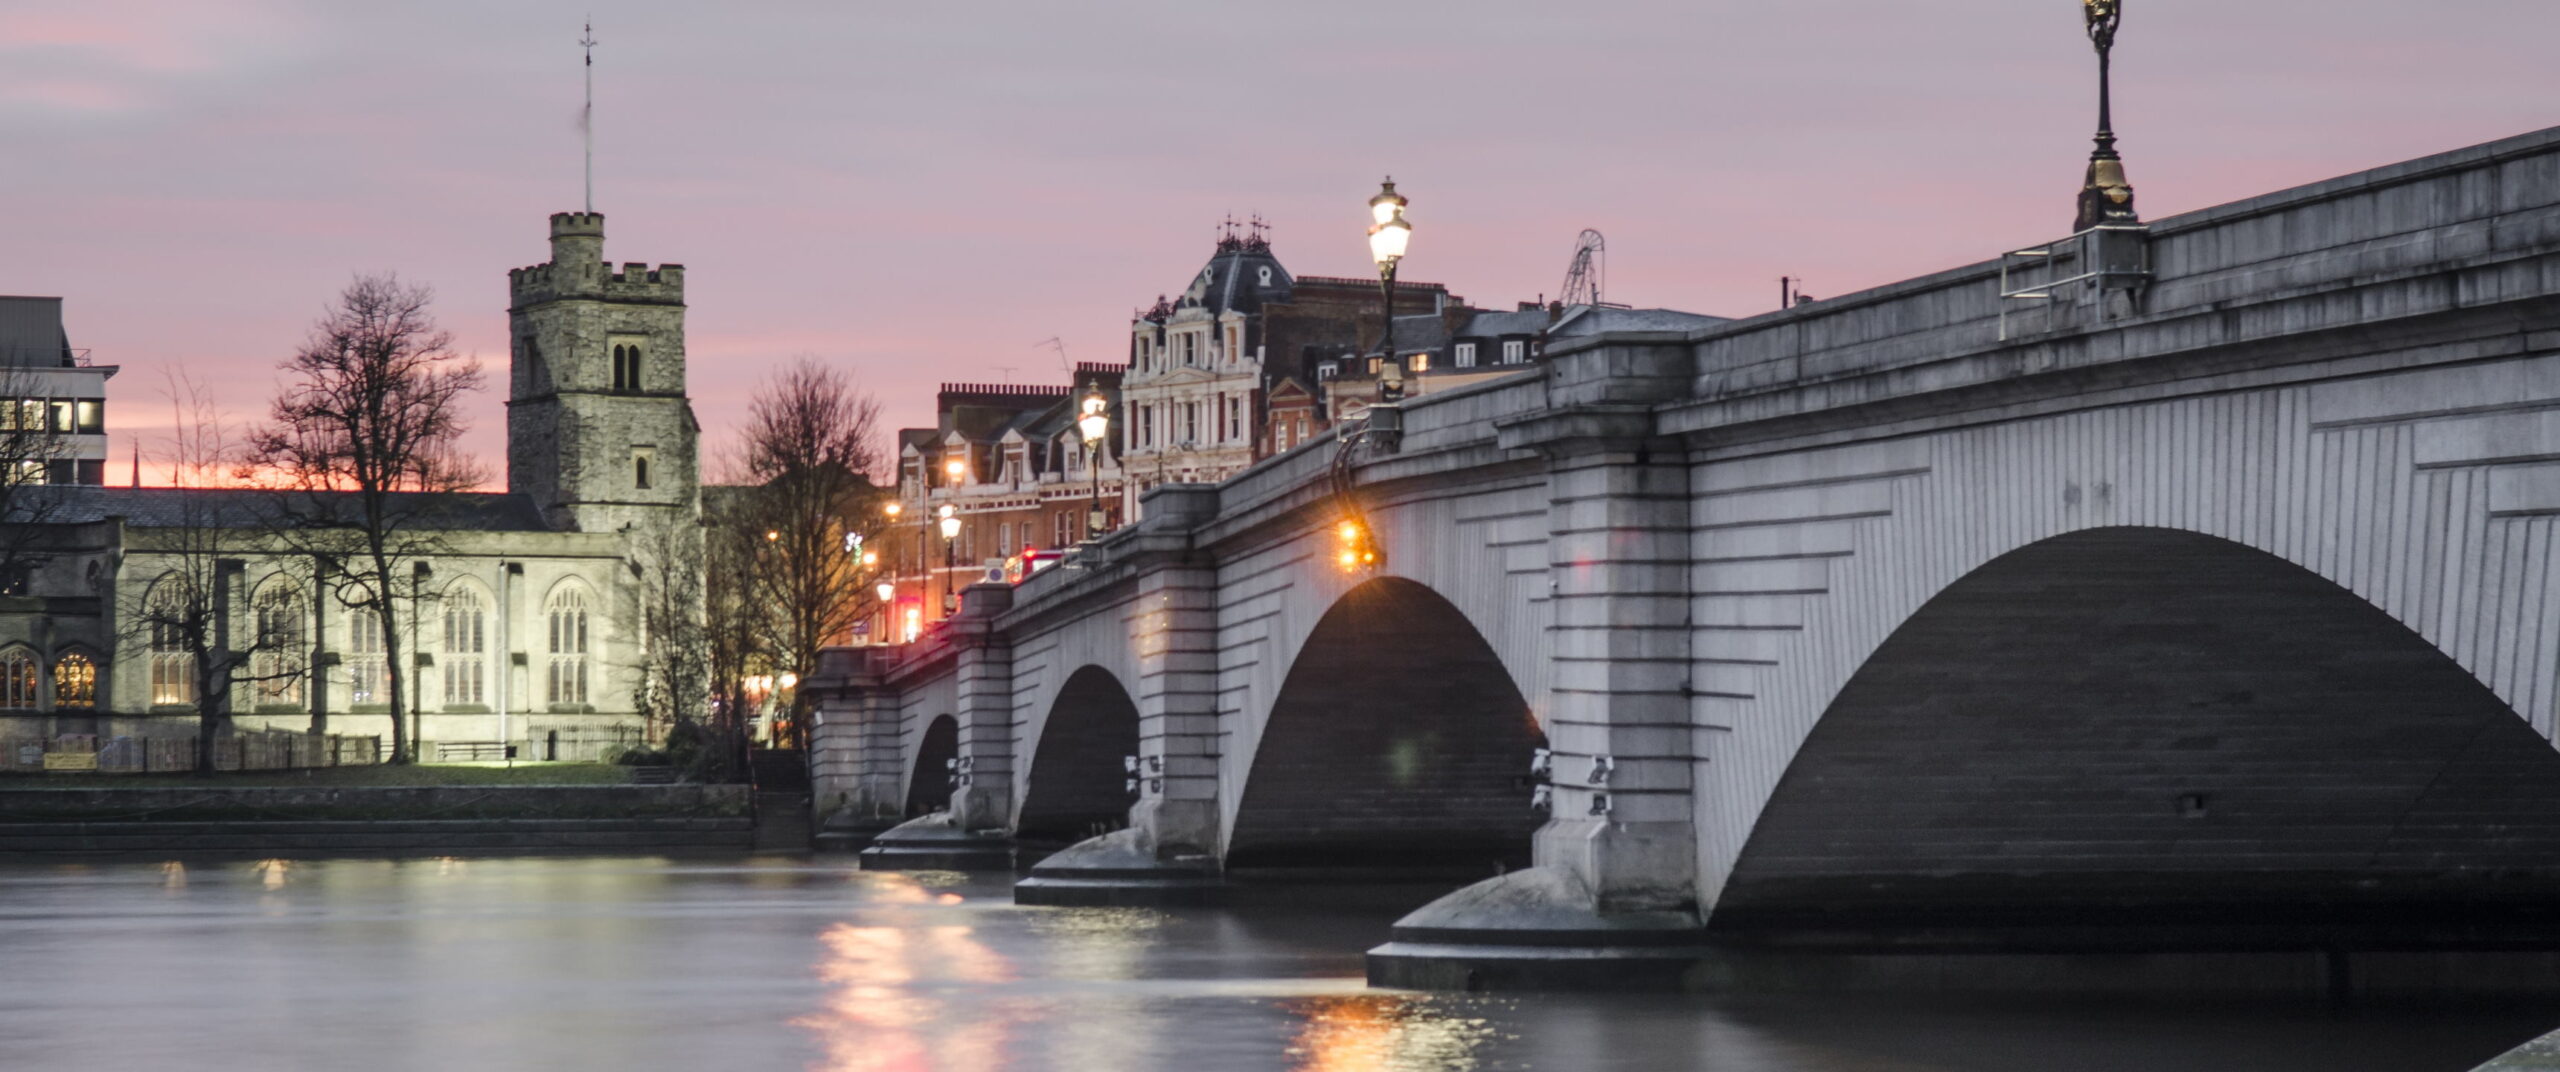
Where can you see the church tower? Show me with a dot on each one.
(600, 432)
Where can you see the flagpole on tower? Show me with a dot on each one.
(587, 119)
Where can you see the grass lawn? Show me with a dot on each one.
(418, 774)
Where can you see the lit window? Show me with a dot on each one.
(75, 681)
(173, 660)
(1421, 362)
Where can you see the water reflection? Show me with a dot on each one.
(778, 964)
(890, 1007)
(1383, 1032)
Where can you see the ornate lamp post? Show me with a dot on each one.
(1387, 238)
(950, 558)
(1093, 422)
(2105, 197)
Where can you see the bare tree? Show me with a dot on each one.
(810, 446)
(361, 441)
(735, 625)
(183, 618)
(674, 671)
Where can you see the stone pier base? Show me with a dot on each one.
(937, 843)
(1119, 868)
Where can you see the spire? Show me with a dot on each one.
(137, 465)
(587, 118)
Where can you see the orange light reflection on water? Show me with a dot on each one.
(1378, 1032)
(884, 1013)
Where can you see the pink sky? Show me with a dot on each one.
(924, 192)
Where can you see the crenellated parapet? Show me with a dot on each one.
(577, 269)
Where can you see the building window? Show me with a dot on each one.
(1327, 370)
(1004, 539)
(1235, 418)
(75, 682)
(466, 622)
(282, 644)
(1373, 366)
(568, 678)
(18, 681)
(1514, 352)
(642, 459)
(368, 672)
(626, 367)
(91, 414)
(1264, 275)
(173, 660)
(1466, 357)
(1421, 362)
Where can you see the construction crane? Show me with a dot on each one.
(1587, 279)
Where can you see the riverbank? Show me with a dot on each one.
(338, 815)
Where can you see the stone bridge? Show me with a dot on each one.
(2191, 583)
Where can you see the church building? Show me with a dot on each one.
(528, 630)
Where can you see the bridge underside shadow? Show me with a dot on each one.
(929, 783)
(1077, 785)
(1398, 745)
(2141, 737)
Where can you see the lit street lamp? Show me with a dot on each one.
(2105, 197)
(1094, 422)
(1387, 238)
(886, 590)
(950, 559)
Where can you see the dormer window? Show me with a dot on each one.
(1265, 276)
(1514, 352)
(1466, 357)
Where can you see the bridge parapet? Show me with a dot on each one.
(2294, 276)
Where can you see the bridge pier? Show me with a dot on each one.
(975, 833)
(854, 753)
(1612, 897)
(1169, 853)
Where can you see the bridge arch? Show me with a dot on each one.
(2159, 727)
(1076, 783)
(1397, 738)
(929, 781)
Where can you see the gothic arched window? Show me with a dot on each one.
(466, 645)
(626, 367)
(282, 642)
(75, 681)
(18, 679)
(567, 611)
(173, 660)
(368, 668)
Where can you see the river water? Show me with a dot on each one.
(643, 963)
